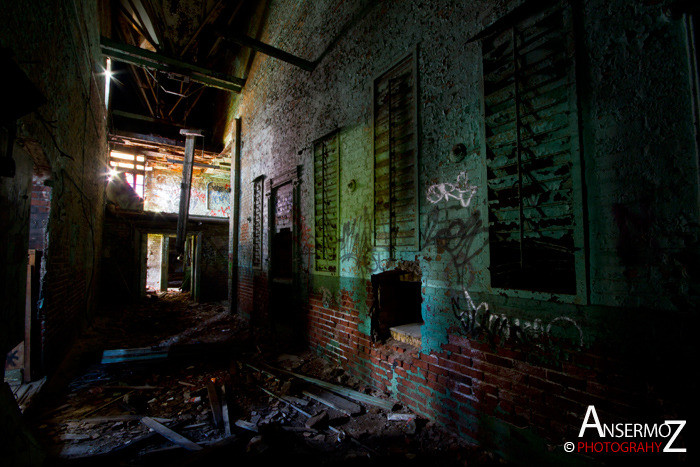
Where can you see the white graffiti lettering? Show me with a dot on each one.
(462, 191)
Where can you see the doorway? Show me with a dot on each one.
(285, 311)
(166, 271)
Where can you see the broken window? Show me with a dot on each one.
(532, 152)
(396, 311)
(326, 203)
(133, 167)
(257, 221)
(395, 158)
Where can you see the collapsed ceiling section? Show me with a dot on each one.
(170, 68)
(167, 154)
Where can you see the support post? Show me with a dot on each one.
(185, 188)
(234, 218)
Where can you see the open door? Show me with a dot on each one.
(285, 312)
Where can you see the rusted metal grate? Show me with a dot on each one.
(326, 203)
(531, 143)
(257, 221)
(395, 158)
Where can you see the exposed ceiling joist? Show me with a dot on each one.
(268, 50)
(144, 118)
(211, 17)
(145, 58)
(145, 19)
(136, 26)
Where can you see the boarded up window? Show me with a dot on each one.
(326, 203)
(257, 221)
(395, 158)
(531, 149)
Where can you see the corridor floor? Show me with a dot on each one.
(198, 365)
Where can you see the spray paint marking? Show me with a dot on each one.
(462, 191)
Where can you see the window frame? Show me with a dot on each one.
(581, 295)
(412, 53)
(260, 217)
(329, 136)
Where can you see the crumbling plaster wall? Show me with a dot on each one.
(640, 203)
(209, 195)
(57, 45)
(637, 142)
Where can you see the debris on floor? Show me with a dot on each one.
(219, 396)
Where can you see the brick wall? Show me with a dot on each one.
(39, 215)
(629, 316)
(482, 388)
(67, 135)
(124, 251)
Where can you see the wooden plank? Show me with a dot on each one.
(116, 418)
(247, 425)
(224, 411)
(215, 404)
(343, 391)
(106, 404)
(170, 435)
(128, 355)
(334, 402)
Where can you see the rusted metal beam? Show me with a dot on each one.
(268, 50)
(185, 188)
(145, 58)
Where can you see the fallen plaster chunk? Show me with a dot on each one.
(402, 417)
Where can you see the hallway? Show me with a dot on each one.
(93, 412)
(442, 231)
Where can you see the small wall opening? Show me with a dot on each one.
(396, 311)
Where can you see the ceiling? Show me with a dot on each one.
(149, 106)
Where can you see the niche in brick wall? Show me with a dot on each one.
(396, 311)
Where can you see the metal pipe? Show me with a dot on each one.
(234, 217)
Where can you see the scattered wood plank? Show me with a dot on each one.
(116, 418)
(246, 425)
(318, 420)
(135, 388)
(343, 391)
(106, 404)
(75, 437)
(214, 403)
(130, 355)
(170, 435)
(296, 400)
(334, 402)
(28, 391)
(224, 412)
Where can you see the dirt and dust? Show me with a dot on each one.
(205, 375)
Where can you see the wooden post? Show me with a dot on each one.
(185, 188)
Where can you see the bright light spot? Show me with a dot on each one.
(108, 78)
(121, 155)
(112, 174)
